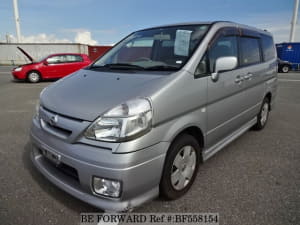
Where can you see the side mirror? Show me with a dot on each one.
(45, 63)
(224, 64)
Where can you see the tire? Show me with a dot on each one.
(285, 69)
(33, 77)
(263, 115)
(180, 169)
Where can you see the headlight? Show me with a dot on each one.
(18, 69)
(122, 123)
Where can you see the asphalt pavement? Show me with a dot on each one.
(254, 180)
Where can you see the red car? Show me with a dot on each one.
(52, 67)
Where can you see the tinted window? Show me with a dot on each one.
(249, 51)
(224, 46)
(268, 47)
(141, 43)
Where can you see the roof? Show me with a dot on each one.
(67, 53)
(181, 24)
(210, 23)
(22, 43)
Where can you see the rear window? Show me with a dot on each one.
(268, 47)
(250, 53)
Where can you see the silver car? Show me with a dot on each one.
(138, 122)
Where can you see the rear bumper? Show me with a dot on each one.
(139, 172)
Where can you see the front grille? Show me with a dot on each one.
(55, 130)
(63, 115)
(59, 129)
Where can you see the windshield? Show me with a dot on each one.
(165, 48)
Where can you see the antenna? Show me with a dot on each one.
(294, 21)
(17, 20)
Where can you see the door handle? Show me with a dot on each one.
(239, 79)
(248, 76)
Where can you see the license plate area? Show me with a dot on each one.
(52, 156)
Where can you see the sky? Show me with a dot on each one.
(105, 22)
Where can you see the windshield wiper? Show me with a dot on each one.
(162, 68)
(119, 66)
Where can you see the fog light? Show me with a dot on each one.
(106, 187)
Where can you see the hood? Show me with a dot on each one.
(87, 94)
(26, 54)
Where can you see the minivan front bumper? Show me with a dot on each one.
(139, 172)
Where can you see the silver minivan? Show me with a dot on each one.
(138, 122)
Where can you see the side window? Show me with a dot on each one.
(55, 59)
(224, 46)
(250, 53)
(202, 67)
(73, 58)
(268, 47)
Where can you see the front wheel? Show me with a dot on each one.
(181, 165)
(263, 115)
(33, 77)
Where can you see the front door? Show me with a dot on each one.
(226, 100)
(54, 67)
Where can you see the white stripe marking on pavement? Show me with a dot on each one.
(289, 80)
